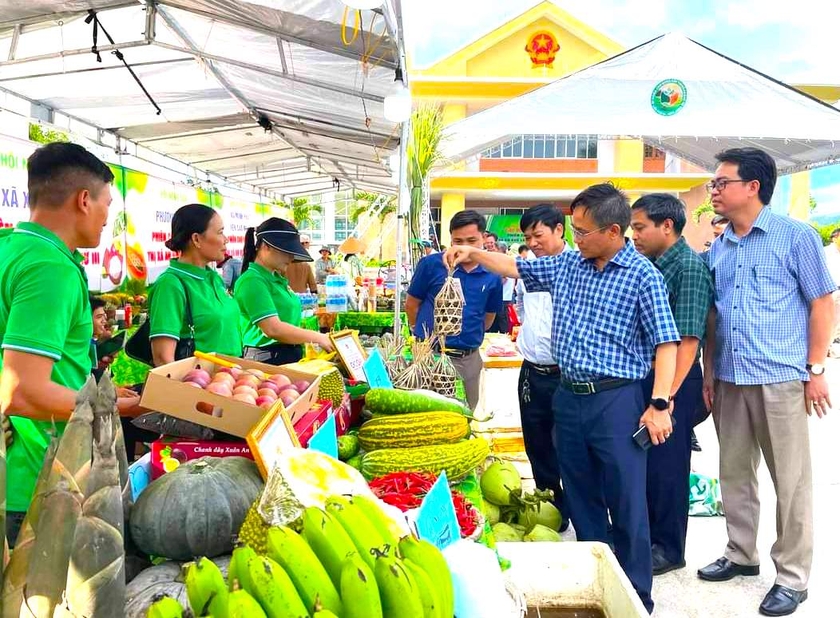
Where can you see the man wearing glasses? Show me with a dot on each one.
(610, 313)
(300, 274)
(768, 336)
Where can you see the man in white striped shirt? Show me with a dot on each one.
(539, 376)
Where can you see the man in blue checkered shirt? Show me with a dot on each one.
(611, 313)
(768, 337)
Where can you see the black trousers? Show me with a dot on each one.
(536, 391)
(669, 468)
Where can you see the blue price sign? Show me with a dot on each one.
(377, 374)
(436, 519)
(325, 439)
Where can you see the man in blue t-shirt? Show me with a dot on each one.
(482, 294)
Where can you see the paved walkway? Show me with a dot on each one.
(680, 594)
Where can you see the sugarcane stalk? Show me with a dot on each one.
(14, 580)
(50, 558)
(95, 586)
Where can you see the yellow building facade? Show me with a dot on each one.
(538, 47)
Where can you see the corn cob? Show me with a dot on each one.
(456, 459)
(14, 576)
(96, 579)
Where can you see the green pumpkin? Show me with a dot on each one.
(197, 509)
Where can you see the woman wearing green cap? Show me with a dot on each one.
(270, 310)
(189, 299)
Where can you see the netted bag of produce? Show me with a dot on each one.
(449, 308)
(444, 376)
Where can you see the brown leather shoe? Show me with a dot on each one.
(723, 569)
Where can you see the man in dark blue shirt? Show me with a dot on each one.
(482, 293)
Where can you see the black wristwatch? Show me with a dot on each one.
(660, 404)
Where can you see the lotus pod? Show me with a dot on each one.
(14, 576)
(50, 558)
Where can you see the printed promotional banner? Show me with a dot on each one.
(139, 220)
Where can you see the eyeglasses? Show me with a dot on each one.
(719, 184)
(579, 234)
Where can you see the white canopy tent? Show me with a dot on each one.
(285, 97)
(725, 105)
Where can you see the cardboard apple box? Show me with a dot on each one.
(182, 451)
(164, 392)
(309, 423)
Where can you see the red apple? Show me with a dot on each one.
(247, 380)
(194, 384)
(224, 378)
(287, 400)
(265, 402)
(236, 372)
(270, 385)
(199, 376)
(245, 398)
(267, 392)
(289, 392)
(220, 388)
(246, 390)
(301, 385)
(257, 373)
(280, 380)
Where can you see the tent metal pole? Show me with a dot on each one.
(403, 199)
(75, 52)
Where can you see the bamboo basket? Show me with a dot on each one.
(449, 308)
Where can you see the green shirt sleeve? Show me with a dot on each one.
(167, 307)
(40, 319)
(254, 298)
(693, 299)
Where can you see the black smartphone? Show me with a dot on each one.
(642, 435)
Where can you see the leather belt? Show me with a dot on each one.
(457, 353)
(597, 386)
(545, 370)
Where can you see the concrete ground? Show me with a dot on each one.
(680, 594)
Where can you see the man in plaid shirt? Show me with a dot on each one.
(611, 313)
(658, 220)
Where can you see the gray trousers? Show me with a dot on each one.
(469, 368)
(767, 419)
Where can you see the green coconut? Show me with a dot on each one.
(545, 514)
(505, 533)
(499, 482)
(542, 533)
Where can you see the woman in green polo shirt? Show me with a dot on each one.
(198, 235)
(270, 309)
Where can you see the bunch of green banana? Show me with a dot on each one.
(328, 540)
(387, 527)
(309, 576)
(165, 607)
(358, 527)
(207, 590)
(243, 605)
(238, 567)
(425, 556)
(274, 590)
(359, 590)
(399, 593)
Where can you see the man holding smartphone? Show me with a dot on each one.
(658, 220)
(610, 313)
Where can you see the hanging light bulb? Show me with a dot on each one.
(398, 100)
(363, 4)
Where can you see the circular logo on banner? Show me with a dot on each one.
(668, 97)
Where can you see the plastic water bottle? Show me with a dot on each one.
(337, 289)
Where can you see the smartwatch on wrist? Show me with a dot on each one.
(660, 403)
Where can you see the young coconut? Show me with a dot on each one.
(499, 482)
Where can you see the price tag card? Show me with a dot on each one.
(325, 439)
(377, 374)
(436, 520)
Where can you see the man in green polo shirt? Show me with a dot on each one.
(45, 317)
(658, 220)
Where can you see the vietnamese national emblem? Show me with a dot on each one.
(542, 48)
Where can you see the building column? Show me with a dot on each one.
(450, 203)
(800, 196)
